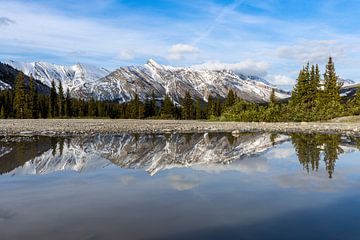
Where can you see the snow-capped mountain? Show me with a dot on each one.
(125, 82)
(85, 81)
(8, 75)
(346, 82)
(152, 153)
(79, 78)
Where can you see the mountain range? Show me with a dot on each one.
(86, 81)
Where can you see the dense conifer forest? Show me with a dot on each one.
(313, 98)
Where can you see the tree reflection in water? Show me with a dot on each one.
(311, 148)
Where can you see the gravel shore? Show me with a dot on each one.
(65, 127)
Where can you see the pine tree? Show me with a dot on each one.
(153, 110)
(167, 109)
(53, 103)
(68, 104)
(273, 100)
(210, 111)
(92, 112)
(230, 99)
(330, 98)
(187, 107)
(20, 96)
(33, 103)
(355, 103)
(61, 100)
(198, 109)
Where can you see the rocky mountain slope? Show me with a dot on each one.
(162, 80)
(79, 78)
(87, 82)
(8, 75)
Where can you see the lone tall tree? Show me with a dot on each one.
(61, 100)
(330, 98)
(20, 96)
(53, 105)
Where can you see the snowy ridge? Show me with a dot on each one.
(86, 82)
(125, 82)
(79, 79)
(153, 153)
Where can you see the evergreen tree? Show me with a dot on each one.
(273, 98)
(153, 110)
(355, 103)
(330, 103)
(68, 104)
(61, 100)
(33, 99)
(20, 96)
(92, 111)
(198, 109)
(167, 109)
(230, 99)
(187, 107)
(53, 101)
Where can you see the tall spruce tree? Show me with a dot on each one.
(20, 96)
(330, 103)
(167, 109)
(53, 100)
(198, 109)
(230, 99)
(187, 107)
(61, 100)
(33, 103)
(68, 104)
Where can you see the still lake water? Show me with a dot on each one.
(191, 186)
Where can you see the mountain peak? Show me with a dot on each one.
(153, 63)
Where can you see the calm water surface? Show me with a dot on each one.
(192, 186)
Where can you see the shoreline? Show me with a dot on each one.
(75, 127)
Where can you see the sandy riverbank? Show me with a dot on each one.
(107, 126)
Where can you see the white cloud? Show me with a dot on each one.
(248, 67)
(316, 51)
(180, 51)
(126, 55)
(280, 80)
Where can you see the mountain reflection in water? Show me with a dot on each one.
(153, 153)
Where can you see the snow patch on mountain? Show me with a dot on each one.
(4, 86)
(122, 84)
(86, 82)
(79, 78)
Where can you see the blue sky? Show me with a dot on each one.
(272, 38)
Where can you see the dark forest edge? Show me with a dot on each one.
(312, 99)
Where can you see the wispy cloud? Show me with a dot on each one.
(180, 51)
(6, 21)
(248, 67)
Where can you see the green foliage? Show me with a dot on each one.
(167, 109)
(20, 96)
(309, 100)
(61, 101)
(187, 107)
